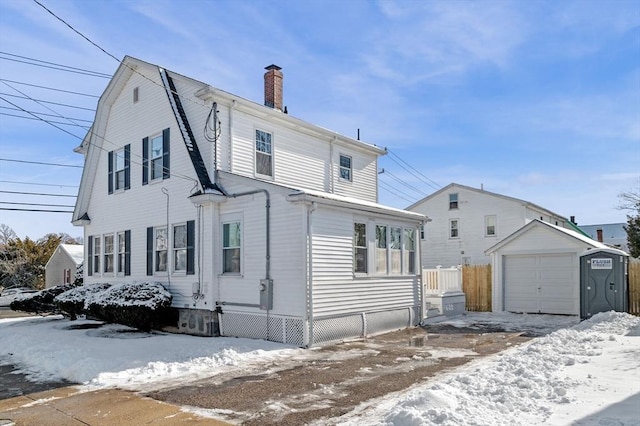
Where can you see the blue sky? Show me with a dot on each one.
(538, 100)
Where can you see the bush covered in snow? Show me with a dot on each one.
(142, 305)
(76, 301)
(40, 302)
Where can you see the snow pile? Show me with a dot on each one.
(524, 385)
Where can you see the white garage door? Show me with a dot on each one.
(541, 284)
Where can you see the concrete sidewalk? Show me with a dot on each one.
(69, 406)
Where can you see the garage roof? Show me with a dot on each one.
(534, 223)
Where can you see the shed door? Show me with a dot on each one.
(545, 283)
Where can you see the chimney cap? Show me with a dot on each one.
(273, 67)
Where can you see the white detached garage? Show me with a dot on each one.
(537, 270)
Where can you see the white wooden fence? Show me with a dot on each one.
(441, 281)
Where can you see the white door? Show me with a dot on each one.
(544, 283)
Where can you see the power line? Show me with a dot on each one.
(45, 114)
(393, 191)
(50, 121)
(38, 193)
(41, 163)
(46, 102)
(36, 210)
(38, 184)
(41, 119)
(400, 181)
(415, 172)
(49, 88)
(62, 67)
(36, 204)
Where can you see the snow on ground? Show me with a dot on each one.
(581, 374)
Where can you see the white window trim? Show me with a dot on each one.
(272, 155)
(151, 157)
(225, 221)
(116, 170)
(379, 250)
(96, 264)
(173, 250)
(155, 250)
(457, 201)
(369, 243)
(495, 226)
(457, 228)
(118, 253)
(340, 167)
(106, 273)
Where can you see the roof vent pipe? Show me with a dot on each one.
(273, 87)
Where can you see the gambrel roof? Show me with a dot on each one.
(93, 141)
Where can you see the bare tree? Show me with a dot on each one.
(6, 234)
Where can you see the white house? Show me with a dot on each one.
(537, 269)
(466, 221)
(259, 224)
(62, 265)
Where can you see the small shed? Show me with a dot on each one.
(63, 264)
(537, 270)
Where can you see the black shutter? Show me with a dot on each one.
(127, 252)
(90, 257)
(110, 174)
(145, 161)
(165, 153)
(127, 169)
(191, 238)
(150, 250)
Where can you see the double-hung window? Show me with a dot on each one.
(395, 250)
(453, 201)
(381, 249)
(180, 247)
(119, 175)
(490, 226)
(264, 153)
(108, 253)
(345, 167)
(96, 254)
(410, 251)
(360, 248)
(231, 247)
(122, 249)
(454, 228)
(160, 249)
(155, 157)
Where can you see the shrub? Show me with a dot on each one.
(74, 302)
(40, 302)
(140, 304)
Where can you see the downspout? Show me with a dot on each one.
(310, 209)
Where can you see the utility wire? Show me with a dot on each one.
(36, 204)
(55, 66)
(46, 102)
(49, 88)
(45, 114)
(36, 210)
(38, 193)
(415, 172)
(393, 191)
(38, 184)
(40, 162)
(50, 121)
(402, 182)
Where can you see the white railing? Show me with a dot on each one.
(441, 281)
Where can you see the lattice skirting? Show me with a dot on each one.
(296, 331)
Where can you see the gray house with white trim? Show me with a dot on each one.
(259, 224)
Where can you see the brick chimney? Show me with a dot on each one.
(273, 87)
(599, 235)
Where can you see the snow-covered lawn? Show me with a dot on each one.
(583, 374)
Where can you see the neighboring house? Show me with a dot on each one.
(611, 234)
(259, 224)
(62, 265)
(466, 221)
(537, 269)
